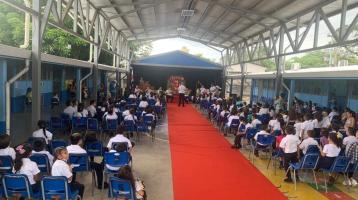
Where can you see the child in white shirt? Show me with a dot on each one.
(39, 148)
(23, 165)
(308, 141)
(5, 149)
(265, 131)
(42, 132)
(61, 168)
(289, 145)
(351, 138)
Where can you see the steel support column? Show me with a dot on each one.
(95, 60)
(279, 64)
(231, 83)
(3, 79)
(242, 81)
(36, 64)
(78, 84)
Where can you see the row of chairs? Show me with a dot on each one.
(57, 187)
(80, 163)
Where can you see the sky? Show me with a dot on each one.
(166, 45)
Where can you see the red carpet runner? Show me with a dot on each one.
(204, 165)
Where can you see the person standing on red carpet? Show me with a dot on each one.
(181, 91)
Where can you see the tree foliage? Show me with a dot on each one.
(140, 49)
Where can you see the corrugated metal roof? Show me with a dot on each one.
(215, 22)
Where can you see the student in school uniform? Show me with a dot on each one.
(40, 148)
(131, 116)
(42, 132)
(61, 168)
(233, 115)
(241, 133)
(143, 103)
(274, 124)
(308, 141)
(289, 145)
(110, 115)
(81, 111)
(298, 125)
(119, 137)
(352, 154)
(137, 185)
(323, 140)
(306, 125)
(255, 121)
(92, 111)
(23, 165)
(351, 138)
(70, 109)
(329, 153)
(265, 131)
(5, 149)
(76, 148)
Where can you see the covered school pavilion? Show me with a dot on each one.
(196, 163)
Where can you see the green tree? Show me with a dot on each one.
(11, 26)
(140, 49)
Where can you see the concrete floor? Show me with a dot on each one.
(151, 160)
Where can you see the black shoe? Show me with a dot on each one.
(105, 186)
(288, 180)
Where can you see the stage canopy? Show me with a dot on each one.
(157, 69)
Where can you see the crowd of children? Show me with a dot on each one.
(296, 129)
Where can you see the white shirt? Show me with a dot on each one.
(331, 115)
(347, 141)
(91, 109)
(212, 89)
(29, 168)
(132, 96)
(255, 122)
(125, 113)
(118, 138)
(69, 110)
(40, 134)
(75, 149)
(298, 128)
(143, 104)
(263, 111)
(325, 123)
(261, 133)
(306, 125)
(316, 123)
(222, 113)
(275, 124)
(331, 150)
(290, 143)
(61, 168)
(307, 142)
(181, 89)
(8, 151)
(84, 113)
(231, 118)
(49, 156)
(110, 117)
(130, 118)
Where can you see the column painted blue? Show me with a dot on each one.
(63, 94)
(3, 79)
(78, 83)
(293, 90)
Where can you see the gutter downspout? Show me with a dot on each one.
(27, 27)
(84, 78)
(289, 95)
(7, 93)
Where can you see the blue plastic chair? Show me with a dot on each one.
(234, 125)
(42, 162)
(94, 149)
(80, 163)
(6, 164)
(151, 102)
(57, 143)
(79, 124)
(115, 159)
(92, 125)
(18, 185)
(53, 187)
(340, 165)
(129, 126)
(250, 134)
(114, 145)
(55, 123)
(111, 125)
(264, 140)
(308, 162)
(120, 188)
(312, 149)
